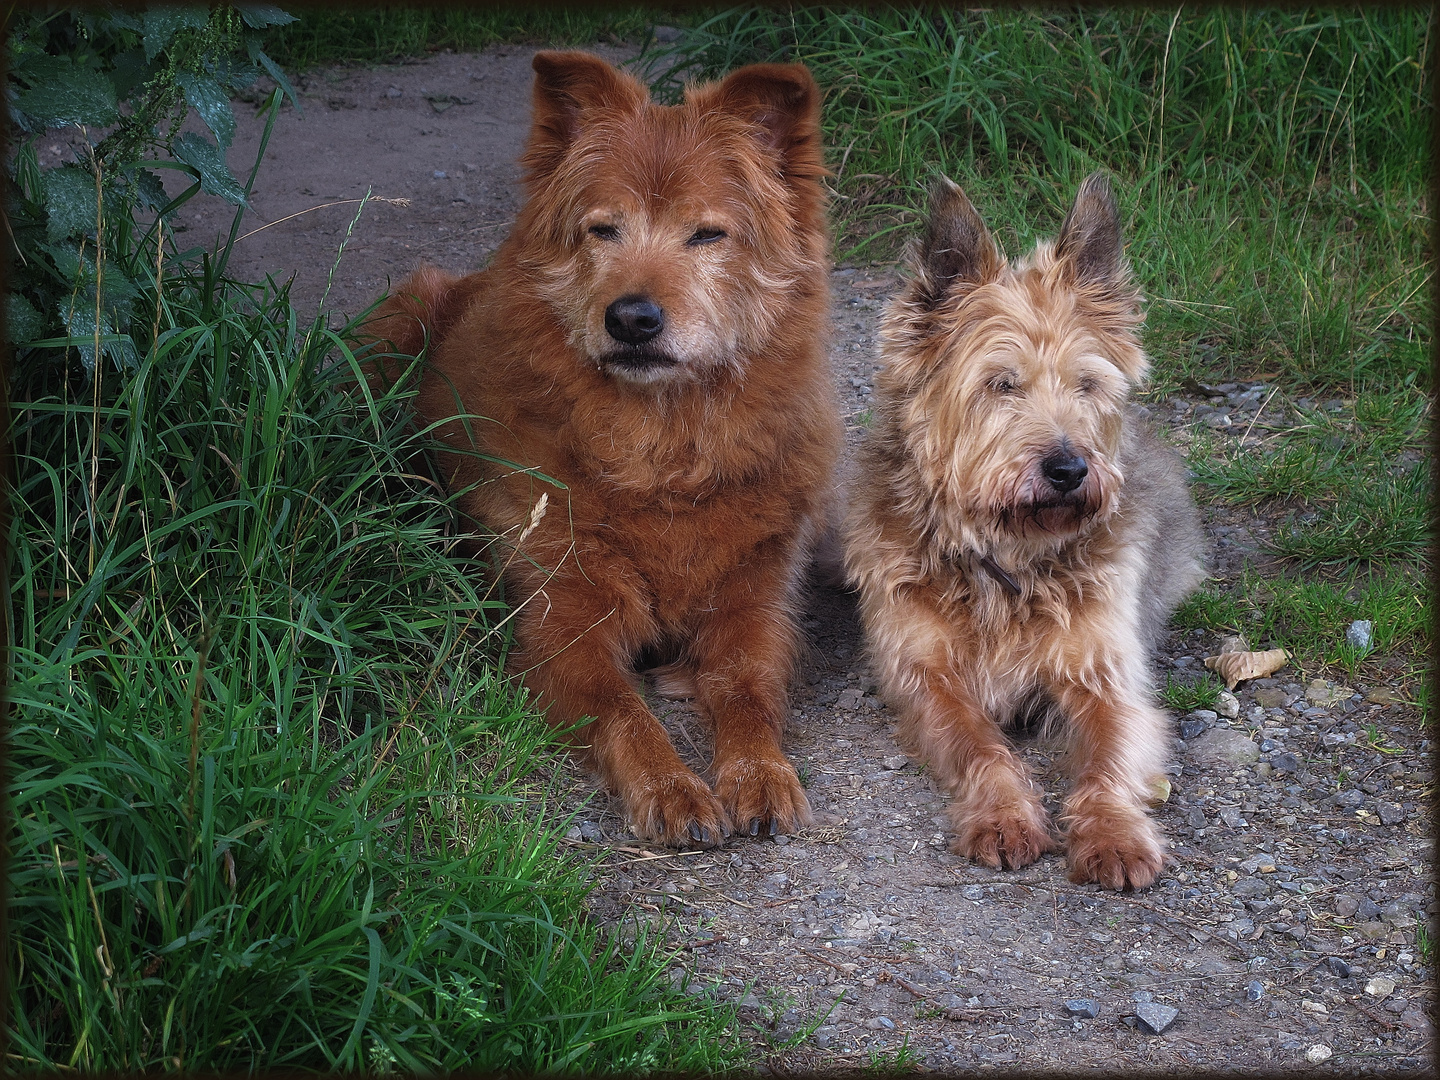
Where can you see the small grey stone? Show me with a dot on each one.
(880, 1023)
(1230, 815)
(438, 174)
(1285, 762)
(1338, 967)
(591, 832)
(849, 699)
(973, 892)
(1348, 799)
(1155, 1017)
(1270, 697)
(1085, 1007)
(1359, 634)
(1225, 746)
(1228, 705)
(667, 35)
(1254, 990)
(896, 761)
(1249, 888)
(1190, 728)
(1390, 813)
(394, 92)
(1196, 818)
(1208, 715)
(573, 833)
(1346, 906)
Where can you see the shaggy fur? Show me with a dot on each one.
(1019, 537)
(651, 336)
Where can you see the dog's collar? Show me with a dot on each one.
(994, 569)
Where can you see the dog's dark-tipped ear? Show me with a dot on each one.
(567, 85)
(1090, 240)
(783, 102)
(956, 247)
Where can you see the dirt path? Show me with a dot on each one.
(1284, 930)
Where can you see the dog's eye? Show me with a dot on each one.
(1003, 384)
(605, 232)
(705, 236)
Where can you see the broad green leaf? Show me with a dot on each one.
(79, 322)
(150, 190)
(162, 24)
(208, 161)
(64, 95)
(256, 54)
(212, 105)
(22, 322)
(262, 15)
(69, 202)
(130, 71)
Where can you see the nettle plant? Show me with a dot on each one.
(87, 235)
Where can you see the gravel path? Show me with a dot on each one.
(1284, 929)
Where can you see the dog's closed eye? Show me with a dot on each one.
(705, 236)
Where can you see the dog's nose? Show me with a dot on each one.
(1065, 470)
(634, 320)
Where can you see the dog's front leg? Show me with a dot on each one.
(1117, 748)
(572, 645)
(743, 652)
(995, 807)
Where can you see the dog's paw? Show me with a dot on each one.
(676, 808)
(1009, 835)
(763, 796)
(1119, 850)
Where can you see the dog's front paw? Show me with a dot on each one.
(675, 808)
(1117, 849)
(1011, 834)
(762, 795)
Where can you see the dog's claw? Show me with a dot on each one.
(755, 827)
(698, 834)
(774, 826)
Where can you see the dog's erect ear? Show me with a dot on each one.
(567, 85)
(1090, 240)
(956, 247)
(783, 101)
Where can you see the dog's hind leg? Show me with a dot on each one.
(1117, 748)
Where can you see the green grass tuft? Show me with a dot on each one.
(273, 806)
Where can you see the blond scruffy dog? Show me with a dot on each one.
(1019, 537)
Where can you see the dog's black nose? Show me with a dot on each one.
(634, 320)
(1065, 470)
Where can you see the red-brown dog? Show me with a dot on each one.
(650, 335)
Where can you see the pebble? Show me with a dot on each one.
(394, 92)
(1390, 813)
(1271, 697)
(1380, 987)
(1155, 1017)
(880, 1023)
(1359, 634)
(1284, 762)
(1191, 728)
(897, 761)
(1254, 990)
(1084, 1007)
(591, 832)
(1227, 705)
(1225, 746)
(1208, 715)
(1230, 815)
(973, 892)
(438, 174)
(1338, 967)
(1321, 693)
(1318, 1053)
